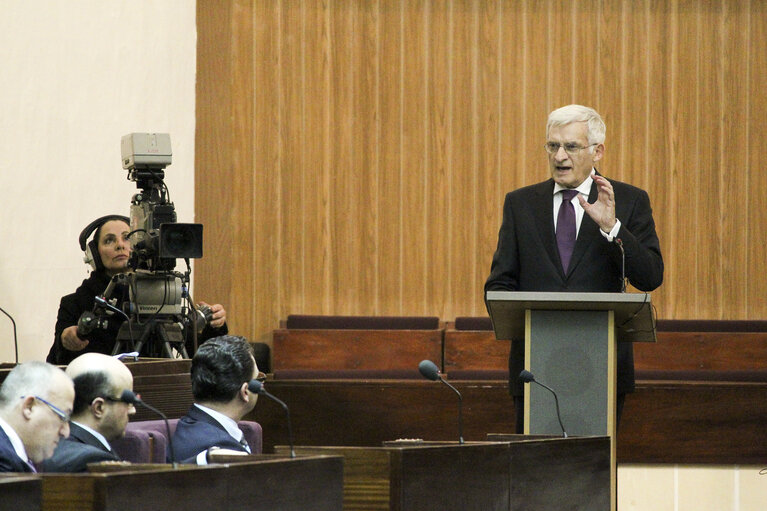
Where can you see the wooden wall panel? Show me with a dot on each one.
(755, 242)
(353, 156)
(390, 153)
(411, 205)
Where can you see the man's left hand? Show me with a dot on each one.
(218, 314)
(603, 210)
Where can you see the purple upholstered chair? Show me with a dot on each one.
(156, 429)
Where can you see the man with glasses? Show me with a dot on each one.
(221, 370)
(570, 233)
(98, 417)
(35, 406)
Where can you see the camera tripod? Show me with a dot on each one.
(157, 338)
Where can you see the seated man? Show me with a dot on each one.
(35, 405)
(221, 370)
(98, 417)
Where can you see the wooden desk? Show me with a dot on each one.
(512, 472)
(433, 476)
(558, 473)
(20, 492)
(265, 483)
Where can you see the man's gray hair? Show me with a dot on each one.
(27, 379)
(579, 113)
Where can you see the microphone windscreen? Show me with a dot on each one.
(429, 370)
(129, 397)
(526, 376)
(255, 386)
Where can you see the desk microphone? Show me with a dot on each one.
(257, 387)
(527, 377)
(623, 264)
(132, 399)
(430, 371)
(15, 340)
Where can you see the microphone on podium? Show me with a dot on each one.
(257, 387)
(527, 377)
(132, 399)
(430, 371)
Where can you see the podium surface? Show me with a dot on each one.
(633, 311)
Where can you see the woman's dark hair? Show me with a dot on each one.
(220, 367)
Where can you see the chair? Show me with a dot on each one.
(141, 446)
(156, 428)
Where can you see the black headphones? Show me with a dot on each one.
(91, 248)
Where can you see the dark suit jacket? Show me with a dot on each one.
(527, 258)
(75, 452)
(196, 432)
(9, 460)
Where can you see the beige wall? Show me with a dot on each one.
(76, 76)
(686, 488)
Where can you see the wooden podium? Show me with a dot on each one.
(571, 346)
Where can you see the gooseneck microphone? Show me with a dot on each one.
(15, 340)
(430, 371)
(527, 377)
(257, 387)
(623, 264)
(129, 397)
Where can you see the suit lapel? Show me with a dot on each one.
(587, 234)
(544, 217)
(84, 437)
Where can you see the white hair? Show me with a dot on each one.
(28, 379)
(579, 113)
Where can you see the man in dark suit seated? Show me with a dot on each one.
(35, 405)
(98, 417)
(221, 370)
(574, 232)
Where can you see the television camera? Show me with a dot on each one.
(160, 314)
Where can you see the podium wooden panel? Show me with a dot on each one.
(265, 483)
(438, 476)
(558, 473)
(20, 492)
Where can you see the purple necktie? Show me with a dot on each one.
(566, 228)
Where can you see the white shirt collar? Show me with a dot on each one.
(584, 187)
(15, 439)
(95, 433)
(228, 423)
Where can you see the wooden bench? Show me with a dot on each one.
(355, 346)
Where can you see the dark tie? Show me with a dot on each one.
(566, 228)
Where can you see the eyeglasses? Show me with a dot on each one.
(64, 416)
(261, 377)
(116, 399)
(571, 148)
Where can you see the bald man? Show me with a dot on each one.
(35, 406)
(99, 416)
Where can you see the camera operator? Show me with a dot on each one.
(107, 253)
